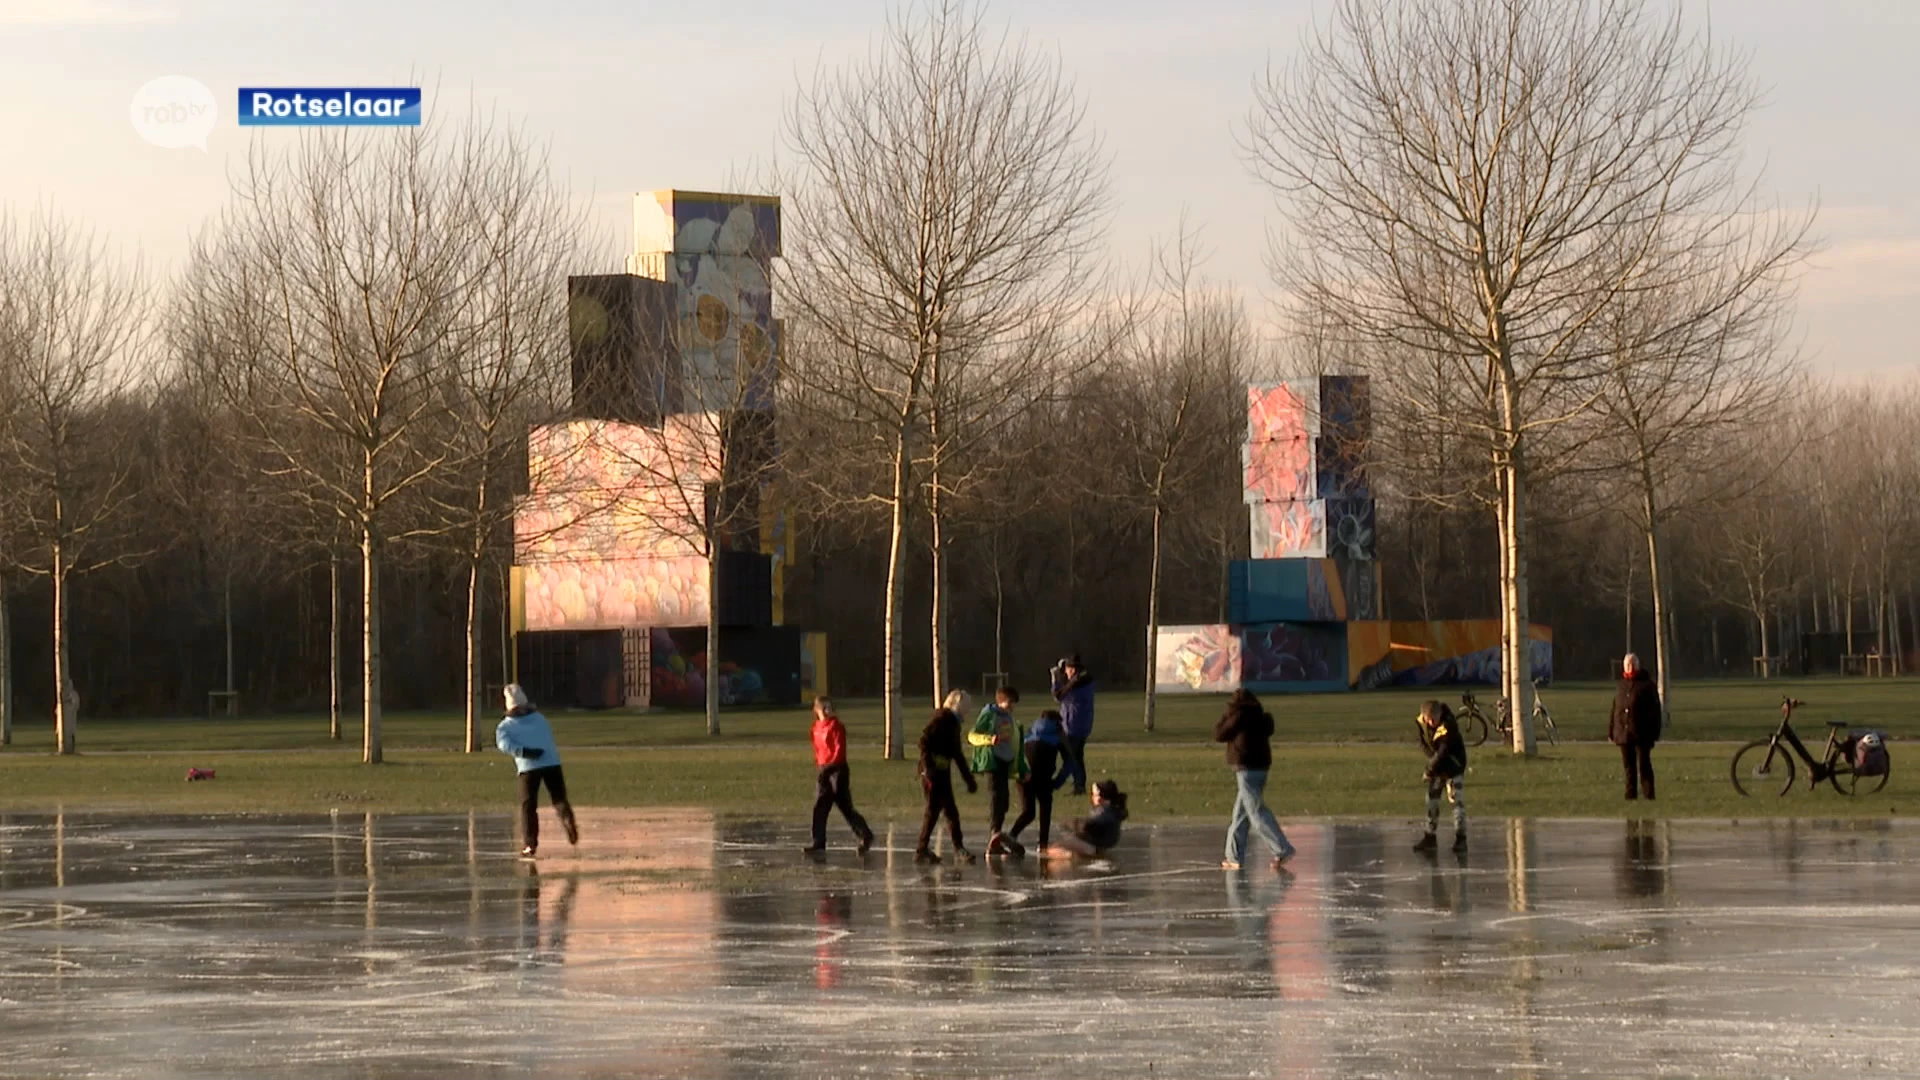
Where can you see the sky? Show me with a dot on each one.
(636, 95)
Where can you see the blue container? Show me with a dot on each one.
(1267, 591)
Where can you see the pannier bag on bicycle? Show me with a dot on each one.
(1870, 754)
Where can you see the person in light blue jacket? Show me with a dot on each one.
(525, 735)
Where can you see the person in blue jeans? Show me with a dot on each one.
(1073, 689)
(1247, 729)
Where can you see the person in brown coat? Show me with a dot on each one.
(1635, 725)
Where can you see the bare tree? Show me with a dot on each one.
(78, 323)
(1758, 537)
(1177, 387)
(341, 282)
(692, 483)
(510, 374)
(1697, 358)
(945, 199)
(1482, 179)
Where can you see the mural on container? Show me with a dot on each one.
(1293, 653)
(1197, 660)
(1440, 653)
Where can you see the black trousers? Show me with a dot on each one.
(940, 801)
(530, 782)
(1036, 800)
(998, 779)
(1077, 762)
(1637, 760)
(834, 788)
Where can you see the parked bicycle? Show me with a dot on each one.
(1853, 764)
(1542, 719)
(1474, 726)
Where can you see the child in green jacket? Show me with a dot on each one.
(996, 739)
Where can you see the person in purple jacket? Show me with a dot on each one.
(1073, 689)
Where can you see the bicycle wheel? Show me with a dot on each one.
(1473, 727)
(1846, 783)
(1762, 767)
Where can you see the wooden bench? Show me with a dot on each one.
(1766, 667)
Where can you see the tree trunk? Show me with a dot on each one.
(713, 634)
(6, 668)
(370, 749)
(64, 703)
(1662, 602)
(226, 608)
(508, 672)
(1893, 649)
(1153, 613)
(1766, 652)
(999, 613)
(938, 618)
(1629, 595)
(896, 543)
(474, 689)
(1848, 609)
(334, 659)
(1518, 663)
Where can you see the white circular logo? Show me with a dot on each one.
(174, 111)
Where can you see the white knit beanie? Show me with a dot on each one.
(517, 698)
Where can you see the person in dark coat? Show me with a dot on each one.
(1635, 725)
(1446, 771)
(1247, 729)
(1073, 690)
(940, 749)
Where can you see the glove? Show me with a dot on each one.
(972, 787)
(533, 753)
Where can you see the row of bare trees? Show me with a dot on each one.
(1523, 218)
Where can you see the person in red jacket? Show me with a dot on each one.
(832, 787)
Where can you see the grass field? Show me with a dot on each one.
(1703, 710)
(1342, 755)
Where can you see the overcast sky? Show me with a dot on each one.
(634, 95)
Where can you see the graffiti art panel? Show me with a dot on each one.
(1280, 470)
(1288, 530)
(1442, 653)
(1311, 653)
(1350, 529)
(1283, 412)
(614, 593)
(1196, 660)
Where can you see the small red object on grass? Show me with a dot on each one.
(199, 774)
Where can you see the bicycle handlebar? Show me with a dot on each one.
(1788, 704)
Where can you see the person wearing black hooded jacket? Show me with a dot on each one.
(1634, 725)
(940, 749)
(1247, 729)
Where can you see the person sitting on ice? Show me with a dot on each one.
(1094, 835)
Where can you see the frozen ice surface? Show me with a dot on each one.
(671, 944)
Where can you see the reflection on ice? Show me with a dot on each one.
(673, 944)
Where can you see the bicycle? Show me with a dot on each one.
(1473, 723)
(1474, 727)
(1762, 762)
(1542, 719)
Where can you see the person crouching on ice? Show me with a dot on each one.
(525, 734)
(1446, 769)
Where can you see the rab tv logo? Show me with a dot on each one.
(339, 106)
